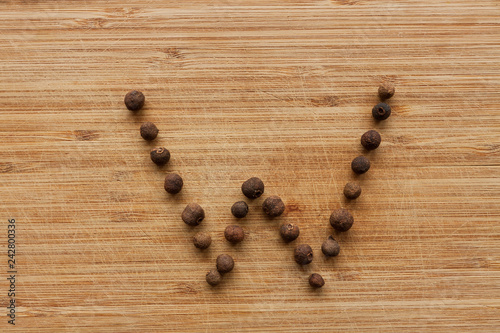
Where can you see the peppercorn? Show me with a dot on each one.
(239, 209)
(234, 234)
(352, 190)
(330, 247)
(316, 280)
(213, 277)
(386, 90)
(149, 131)
(134, 100)
(193, 214)
(360, 165)
(225, 263)
(202, 240)
(341, 219)
(253, 188)
(273, 206)
(160, 156)
(371, 140)
(289, 232)
(303, 254)
(173, 183)
(381, 111)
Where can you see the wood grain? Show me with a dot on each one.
(276, 89)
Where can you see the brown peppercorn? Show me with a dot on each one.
(225, 263)
(330, 247)
(213, 277)
(386, 90)
(381, 111)
(202, 240)
(253, 188)
(289, 232)
(273, 206)
(160, 156)
(134, 100)
(352, 190)
(303, 254)
(360, 165)
(173, 183)
(341, 219)
(239, 209)
(193, 214)
(149, 131)
(371, 140)
(316, 280)
(234, 234)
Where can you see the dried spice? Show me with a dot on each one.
(360, 165)
(316, 280)
(330, 247)
(289, 232)
(225, 263)
(173, 183)
(303, 254)
(381, 111)
(371, 140)
(273, 206)
(386, 90)
(341, 219)
(352, 190)
(160, 156)
(253, 188)
(234, 234)
(149, 131)
(193, 214)
(134, 100)
(239, 209)
(213, 277)
(202, 240)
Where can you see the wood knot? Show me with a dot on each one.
(85, 135)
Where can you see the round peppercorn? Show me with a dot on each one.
(381, 111)
(239, 209)
(149, 131)
(253, 188)
(386, 90)
(202, 240)
(160, 156)
(360, 165)
(273, 206)
(134, 100)
(341, 219)
(316, 280)
(173, 183)
(213, 277)
(289, 232)
(330, 247)
(303, 254)
(193, 214)
(352, 190)
(371, 140)
(234, 234)
(225, 263)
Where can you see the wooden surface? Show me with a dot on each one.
(282, 90)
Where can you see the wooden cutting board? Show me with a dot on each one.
(281, 90)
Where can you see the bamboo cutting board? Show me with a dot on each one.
(281, 90)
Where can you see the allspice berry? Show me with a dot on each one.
(341, 219)
(193, 214)
(303, 254)
(386, 90)
(134, 100)
(289, 232)
(381, 111)
(149, 131)
(173, 183)
(352, 190)
(234, 234)
(316, 280)
(273, 206)
(371, 140)
(225, 263)
(160, 156)
(213, 277)
(330, 247)
(253, 188)
(360, 165)
(202, 240)
(239, 209)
